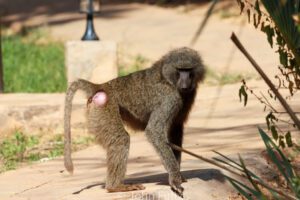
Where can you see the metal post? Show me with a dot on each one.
(90, 33)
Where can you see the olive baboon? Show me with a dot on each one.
(156, 100)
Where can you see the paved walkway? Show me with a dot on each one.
(218, 122)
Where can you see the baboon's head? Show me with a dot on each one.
(183, 68)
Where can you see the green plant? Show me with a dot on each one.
(21, 148)
(56, 146)
(283, 166)
(296, 185)
(138, 64)
(214, 78)
(13, 149)
(227, 13)
(280, 28)
(31, 65)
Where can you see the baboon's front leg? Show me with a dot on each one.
(156, 132)
(175, 136)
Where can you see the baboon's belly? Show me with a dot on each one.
(135, 120)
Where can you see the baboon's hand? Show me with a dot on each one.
(175, 183)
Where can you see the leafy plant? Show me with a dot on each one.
(280, 28)
(257, 188)
(255, 191)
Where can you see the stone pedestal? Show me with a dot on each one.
(95, 61)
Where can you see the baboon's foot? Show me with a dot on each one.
(125, 188)
(183, 179)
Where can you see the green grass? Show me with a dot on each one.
(13, 150)
(139, 62)
(214, 78)
(19, 148)
(33, 67)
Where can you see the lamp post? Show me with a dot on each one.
(90, 7)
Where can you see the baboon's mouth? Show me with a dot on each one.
(186, 90)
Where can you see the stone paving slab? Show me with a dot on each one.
(47, 180)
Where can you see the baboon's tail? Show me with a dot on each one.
(89, 88)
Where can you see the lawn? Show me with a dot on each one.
(33, 64)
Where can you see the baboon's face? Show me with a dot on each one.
(183, 69)
(185, 80)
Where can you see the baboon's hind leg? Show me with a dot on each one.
(107, 124)
(117, 155)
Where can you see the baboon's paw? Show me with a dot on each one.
(183, 179)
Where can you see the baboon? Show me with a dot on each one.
(157, 100)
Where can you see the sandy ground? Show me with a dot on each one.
(217, 122)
